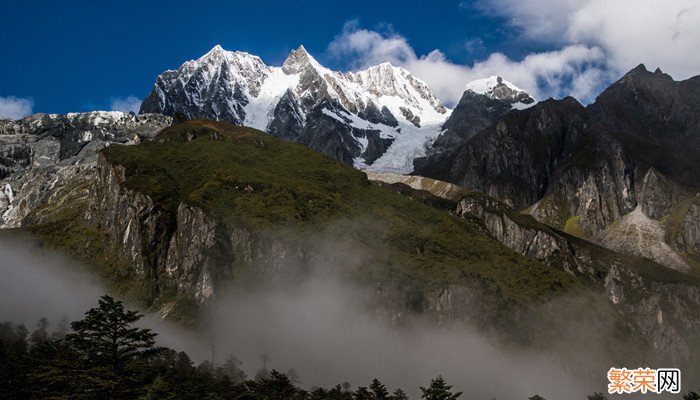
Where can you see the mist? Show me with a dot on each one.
(322, 330)
(36, 282)
(321, 327)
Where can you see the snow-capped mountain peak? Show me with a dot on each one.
(498, 88)
(300, 59)
(381, 109)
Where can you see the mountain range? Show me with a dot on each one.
(521, 218)
(380, 119)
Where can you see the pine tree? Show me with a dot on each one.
(439, 390)
(112, 351)
(278, 387)
(13, 360)
(379, 390)
(399, 395)
(362, 394)
(107, 337)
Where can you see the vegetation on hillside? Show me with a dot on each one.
(105, 355)
(245, 177)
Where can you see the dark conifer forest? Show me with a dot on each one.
(105, 355)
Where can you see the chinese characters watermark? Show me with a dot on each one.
(644, 380)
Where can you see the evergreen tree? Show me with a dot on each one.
(439, 390)
(362, 393)
(13, 360)
(379, 390)
(57, 370)
(113, 350)
(278, 387)
(160, 389)
(107, 337)
(399, 395)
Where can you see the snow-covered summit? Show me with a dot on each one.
(498, 88)
(377, 108)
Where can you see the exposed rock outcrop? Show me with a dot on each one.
(655, 305)
(41, 153)
(583, 169)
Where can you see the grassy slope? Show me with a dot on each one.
(245, 177)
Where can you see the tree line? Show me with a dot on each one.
(105, 355)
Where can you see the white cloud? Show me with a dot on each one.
(593, 42)
(657, 33)
(570, 70)
(126, 104)
(15, 107)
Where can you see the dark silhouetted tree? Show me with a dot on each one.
(13, 360)
(106, 335)
(278, 387)
(439, 390)
(362, 393)
(113, 349)
(399, 395)
(379, 390)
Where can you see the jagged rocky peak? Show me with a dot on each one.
(218, 55)
(382, 110)
(500, 89)
(298, 60)
(641, 73)
(388, 80)
(483, 102)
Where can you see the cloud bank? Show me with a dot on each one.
(126, 104)
(15, 107)
(657, 33)
(593, 42)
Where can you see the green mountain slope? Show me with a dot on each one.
(244, 177)
(175, 221)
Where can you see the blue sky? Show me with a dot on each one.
(85, 55)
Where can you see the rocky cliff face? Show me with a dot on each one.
(583, 169)
(39, 154)
(514, 159)
(484, 102)
(177, 254)
(656, 305)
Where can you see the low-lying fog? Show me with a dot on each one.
(320, 329)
